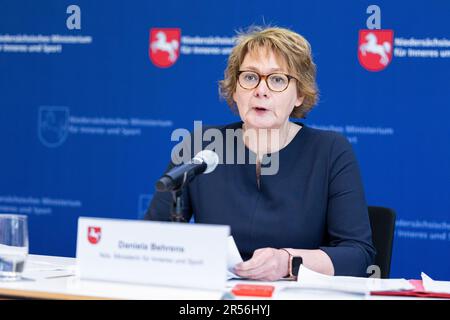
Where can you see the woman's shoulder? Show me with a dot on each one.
(324, 137)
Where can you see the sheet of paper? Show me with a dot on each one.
(33, 266)
(233, 258)
(45, 270)
(431, 285)
(313, 280)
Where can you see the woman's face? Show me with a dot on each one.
(260, 107)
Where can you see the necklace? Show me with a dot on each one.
(258, 161)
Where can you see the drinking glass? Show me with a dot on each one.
(13, 246)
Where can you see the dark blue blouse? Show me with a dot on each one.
(315, 201)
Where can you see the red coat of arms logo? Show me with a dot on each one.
(164, 47)
(94, 234)
(375, 48)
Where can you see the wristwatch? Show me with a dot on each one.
(294, 264)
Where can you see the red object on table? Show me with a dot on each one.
(418, 291)
(253, 290)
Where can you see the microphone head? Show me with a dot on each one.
(164, 184)
(210, 158)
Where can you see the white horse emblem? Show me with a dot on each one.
(162, 44)
(94, 235)
(372, 46)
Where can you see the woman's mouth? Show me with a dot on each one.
(260, 110)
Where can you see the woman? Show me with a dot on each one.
(313, 207)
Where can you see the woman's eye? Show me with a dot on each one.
(278, 80)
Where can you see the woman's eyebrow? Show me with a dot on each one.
(259, 71)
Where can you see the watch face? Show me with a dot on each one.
(296, 263)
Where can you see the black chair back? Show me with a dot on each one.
(382, 221)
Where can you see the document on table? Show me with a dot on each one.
(431, 285)
(309, 279)
(47, 270)
(233, 258)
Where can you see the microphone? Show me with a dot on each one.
(204, 162)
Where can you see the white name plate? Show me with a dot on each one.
(147, 252)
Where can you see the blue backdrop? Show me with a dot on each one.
(86, 115)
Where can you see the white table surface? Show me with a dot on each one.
(51, 277)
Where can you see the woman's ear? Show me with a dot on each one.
(299, 101)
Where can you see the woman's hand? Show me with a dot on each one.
(267, 264)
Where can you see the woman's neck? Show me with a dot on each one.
(268, 140)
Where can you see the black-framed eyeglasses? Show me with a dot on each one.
(277, 82)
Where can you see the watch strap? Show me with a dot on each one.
(290, 274)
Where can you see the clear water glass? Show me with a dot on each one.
(13, 246)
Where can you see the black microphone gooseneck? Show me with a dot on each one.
(176, 214)
(175, 179)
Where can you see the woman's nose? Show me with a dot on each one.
(262, 90)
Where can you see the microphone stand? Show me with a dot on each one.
(177, 204)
